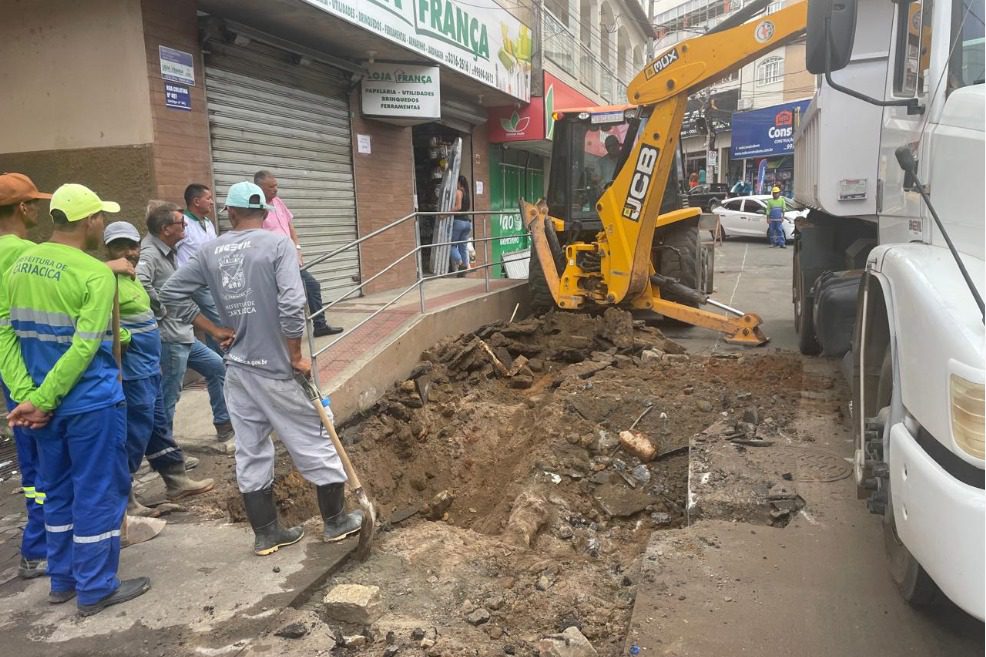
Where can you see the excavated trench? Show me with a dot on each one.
(510, 508)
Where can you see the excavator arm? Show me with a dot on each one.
(629, 209)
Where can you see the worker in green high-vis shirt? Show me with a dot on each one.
(19, 200)
(56, 358)
(776, 207)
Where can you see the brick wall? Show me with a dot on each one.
(384, 193)
(180, 152)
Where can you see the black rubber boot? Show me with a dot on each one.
(338, 523)
(128, 590)
(262, 512)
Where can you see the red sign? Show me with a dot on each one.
(534, 122)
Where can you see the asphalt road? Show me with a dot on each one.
(754, 278)
(819, 587)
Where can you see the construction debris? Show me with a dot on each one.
(353, 603)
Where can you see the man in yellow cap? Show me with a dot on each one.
(19, 200)
(776, 207)
(56, 358)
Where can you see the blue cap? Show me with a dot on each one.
(246, 195)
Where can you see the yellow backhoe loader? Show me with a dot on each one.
(602, 235)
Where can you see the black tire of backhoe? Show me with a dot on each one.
(539, 295)
(682, 238)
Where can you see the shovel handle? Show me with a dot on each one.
(316, 399)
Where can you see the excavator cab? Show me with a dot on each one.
(589, 148)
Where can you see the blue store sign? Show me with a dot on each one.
(768, 131)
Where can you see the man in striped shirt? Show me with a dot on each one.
(56, 358)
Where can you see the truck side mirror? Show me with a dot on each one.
(831, 30)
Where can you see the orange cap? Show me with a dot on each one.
(16, 188)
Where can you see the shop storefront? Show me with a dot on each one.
(764, 140)
(520, 150)
(211, 91)
(266, 113)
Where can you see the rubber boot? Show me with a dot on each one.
(338, 523)
(178, 484)
(135, 508)
(269, 536)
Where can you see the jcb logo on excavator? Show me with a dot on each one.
(642, 175)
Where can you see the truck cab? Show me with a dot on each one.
(875, 282)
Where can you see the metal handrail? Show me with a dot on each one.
(420, 277)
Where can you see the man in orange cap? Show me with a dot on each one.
(56, 358)
(19, 201)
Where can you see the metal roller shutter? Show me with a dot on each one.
(303, 137)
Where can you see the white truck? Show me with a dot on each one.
(875, 279)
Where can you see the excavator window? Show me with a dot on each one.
(589, 151)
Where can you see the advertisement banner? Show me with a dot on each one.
(768, 131)
(475, 37)
(402, 91)
(534, 122)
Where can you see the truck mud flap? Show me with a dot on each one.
(835, 295)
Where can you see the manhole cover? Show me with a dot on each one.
(816, 464)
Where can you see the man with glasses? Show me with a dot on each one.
(179, 347)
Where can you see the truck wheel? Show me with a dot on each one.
(804, 322)
(914, 584)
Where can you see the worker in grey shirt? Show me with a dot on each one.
(253, 275)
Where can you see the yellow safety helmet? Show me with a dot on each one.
(775, 190)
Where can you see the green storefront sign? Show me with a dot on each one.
(513, 174)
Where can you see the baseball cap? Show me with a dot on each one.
(246, 195)
(16, 188)
(78, 202)
(120, 230)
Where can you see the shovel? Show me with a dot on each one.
(369, 526)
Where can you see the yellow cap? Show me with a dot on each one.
(775, 190)
(78, 202)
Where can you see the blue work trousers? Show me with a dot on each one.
(148, 428)
(176, 358)
(775, 233)
(33, 545)
(83, 462)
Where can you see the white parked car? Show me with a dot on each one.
(746, 216)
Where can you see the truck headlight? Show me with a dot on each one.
(968, 407)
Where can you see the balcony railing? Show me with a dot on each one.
(559, 43)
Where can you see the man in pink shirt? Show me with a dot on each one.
(279, 220)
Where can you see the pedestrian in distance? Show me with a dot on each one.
(461, 227)
(148, 429)
(254, 277)
(281, 220)
(56, 357)
(19, 200)
(776, 207)
(180, 349)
